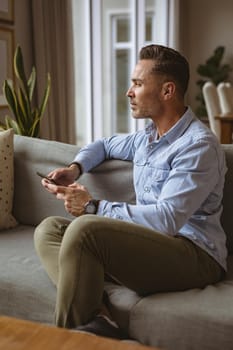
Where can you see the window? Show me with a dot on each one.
(107, 37)
(121, 67)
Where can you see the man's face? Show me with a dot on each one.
(145, 92)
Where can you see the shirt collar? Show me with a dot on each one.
(177, 130)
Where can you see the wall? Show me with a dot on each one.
(205, 24)
(23, 31)
(22, 28)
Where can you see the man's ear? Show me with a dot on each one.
(168, 90)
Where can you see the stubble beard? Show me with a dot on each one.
(140, 114)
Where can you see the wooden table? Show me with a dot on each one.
(24, 335)
(226, 127)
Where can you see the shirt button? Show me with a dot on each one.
(212, 246)
(147, 189)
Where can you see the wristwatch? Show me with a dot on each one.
(91, 207)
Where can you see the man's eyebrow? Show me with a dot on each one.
(137, 80)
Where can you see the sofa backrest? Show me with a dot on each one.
(32, 202)
(227, 214)
(112, 180)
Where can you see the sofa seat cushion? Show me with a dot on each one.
(186, 320)
(25, 290)
(180, 320)
(120, 301)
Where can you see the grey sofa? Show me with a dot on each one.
(194, 319)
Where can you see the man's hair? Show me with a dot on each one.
(168, 63)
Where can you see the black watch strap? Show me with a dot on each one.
(79, 167)
(91, 207)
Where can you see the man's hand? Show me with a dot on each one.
(75, 196)
(65, 176)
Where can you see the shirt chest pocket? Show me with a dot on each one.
(139, 170)
(159, 174)
(158, 179)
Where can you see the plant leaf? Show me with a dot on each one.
(216, 58)
(12, 124)
(19, 68)
(35, 127)
(31, 83)
(10, 97)
(13, 102)
(45, 97)
(26, 119)
(24, 110)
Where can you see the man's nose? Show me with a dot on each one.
(129, 92)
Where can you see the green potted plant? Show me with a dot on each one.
(213, 70)
(19, 96)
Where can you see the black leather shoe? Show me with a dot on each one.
(100, 326)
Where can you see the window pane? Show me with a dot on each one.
(150, 17)
(123, 30)
(148, 28)
(122, 81)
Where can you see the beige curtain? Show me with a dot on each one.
(53, 50)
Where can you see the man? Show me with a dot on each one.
(171, 239)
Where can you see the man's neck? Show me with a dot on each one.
(164, 124)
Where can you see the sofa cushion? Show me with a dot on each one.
(6, 179)
(187, 320)
(120, 301)
(25, 290)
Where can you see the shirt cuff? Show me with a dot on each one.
(102, 207)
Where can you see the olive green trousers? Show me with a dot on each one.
(78, 254)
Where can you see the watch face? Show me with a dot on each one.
(90, 208)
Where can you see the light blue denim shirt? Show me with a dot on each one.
(178, 180)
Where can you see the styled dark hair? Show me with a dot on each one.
(169, 63)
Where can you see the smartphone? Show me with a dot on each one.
(47, 178)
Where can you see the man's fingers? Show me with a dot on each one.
(49, 187)
(77, 186)
(60, 191)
